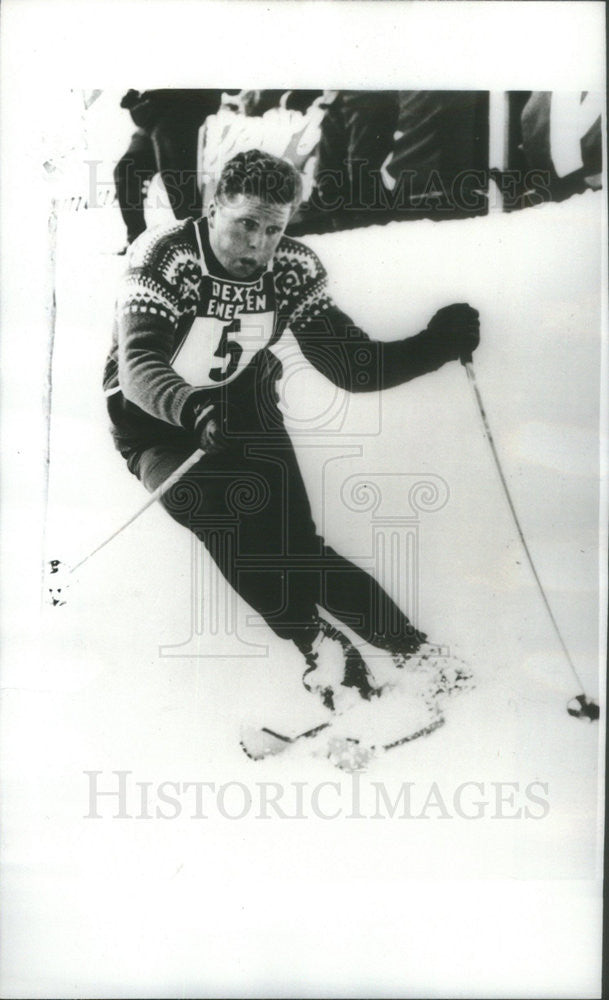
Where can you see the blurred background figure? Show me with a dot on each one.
(438, 160)
(365, 157)
(549, 146)
(174, 118)
(356, 135)
(168, 122)
(285, 123)
(561, 140)
(132, 174)
(258, 102)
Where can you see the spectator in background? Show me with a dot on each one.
(258, 102)
(172, 119)
(356, 136)
(438, 163)
(131, 174)
(562, 144)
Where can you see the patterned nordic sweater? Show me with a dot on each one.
(185, 330)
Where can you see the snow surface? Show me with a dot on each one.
(120, 678)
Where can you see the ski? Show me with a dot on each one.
(258, 743)
(410, 708)
(346, 752)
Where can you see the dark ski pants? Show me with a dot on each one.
(249, 507)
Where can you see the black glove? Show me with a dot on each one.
(456, 330)
(207, 421)
(210, 434)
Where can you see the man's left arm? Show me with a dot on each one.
(349, 358)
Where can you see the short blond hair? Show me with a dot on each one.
(260, 175)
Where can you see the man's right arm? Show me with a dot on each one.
(157, 302)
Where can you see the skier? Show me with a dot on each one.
(200, 306)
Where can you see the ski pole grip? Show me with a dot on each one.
(466, 359)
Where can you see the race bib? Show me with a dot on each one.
(238, 322)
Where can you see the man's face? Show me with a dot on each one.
(244, 232)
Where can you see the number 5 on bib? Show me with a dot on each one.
(228, 350)
(214, 351)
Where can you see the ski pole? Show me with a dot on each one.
(580, 706)
(56, 564)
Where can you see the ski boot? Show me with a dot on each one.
(336, 671)
(444, 674)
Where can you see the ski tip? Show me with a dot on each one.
(247, 751)
(260, 742)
